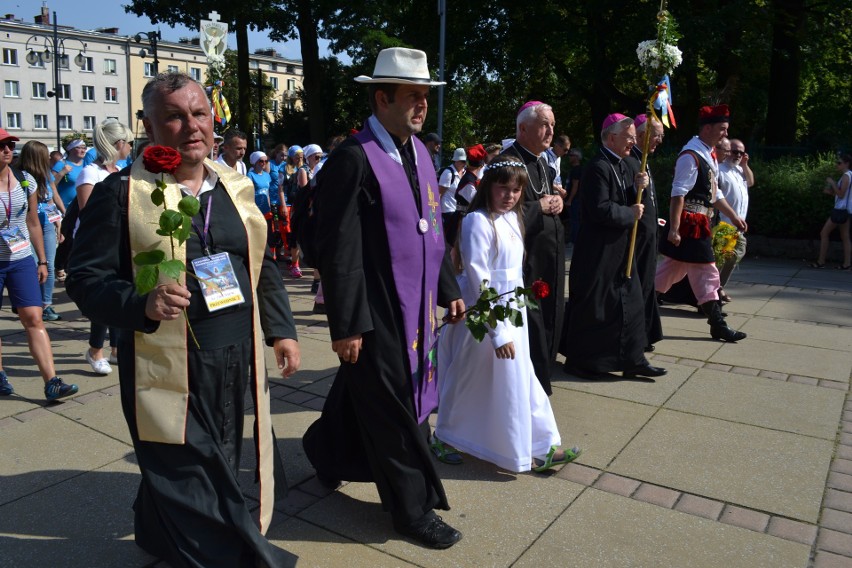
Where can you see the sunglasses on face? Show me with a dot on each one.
(737, 152)
(5, 145)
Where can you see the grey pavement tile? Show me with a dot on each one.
(47, 451)
(481, 496)
(318, 362)
(103, 415)
(795, 333)
(761, 402)
(687, 343)
(312, 546)
(771, 471)
(601, 426)
(810, 306)
(654, 392)
(600, 530)
(786, 358)
(84, 521)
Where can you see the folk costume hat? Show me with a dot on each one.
(400, 65)
(476, 154)
(714, 115)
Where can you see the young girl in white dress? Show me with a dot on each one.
(492, 406)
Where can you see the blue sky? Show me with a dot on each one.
(91, 14)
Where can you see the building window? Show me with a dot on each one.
(149, 69)
(89, 123)
(195, 73)
(273, 67)
(39, 91)
(88, 92)
(172, 69)
(291, 69)
(40, 122)
(291, 85)
(88, 64)
(254, 65)
(12, 89)
(10, 56)
(109, 67)
(64, 61)
(112, 118)
(275, 106)
(39, 62)
(64, 92)
(274, 82)
(65, 122)
(111, 95)
(13, 120)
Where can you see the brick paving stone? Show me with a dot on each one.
(840, 521)
(840, 481)
(848, 405)
(617, 484)
(828, 560)
(33, 414)
(840, 500)
(690, 363)
(699, 506)
(846, 426)
(745, 518)
(745, 371)
(773, 375)
(833, 541)
(114, 390)
(803, 380)
(579, 473)
(665, 359)
(847, 415)
(836, 385)
(844, 452)
(299, 397)
(718, 367)
(792, 530)
(842, 466)
(90, 397)
(657, 495)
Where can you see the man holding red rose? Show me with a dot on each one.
(183, 399)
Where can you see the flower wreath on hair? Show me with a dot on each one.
(504, 164)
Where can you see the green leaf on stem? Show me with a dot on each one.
(146, 278)
(157, 196)
(173, 268)
(182, 234)
(189, 206)
(517, 318)
(149, 257)
(170, 220)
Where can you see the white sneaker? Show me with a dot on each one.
(100, 366)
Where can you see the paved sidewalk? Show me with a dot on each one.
(740, 457)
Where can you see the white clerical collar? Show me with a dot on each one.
(528, 151)
(613, 154)
(387, 143)
(209, 182)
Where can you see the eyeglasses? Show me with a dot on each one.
(11, 146)
(261, 161)
(738, 152)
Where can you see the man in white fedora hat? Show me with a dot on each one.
(385, 269)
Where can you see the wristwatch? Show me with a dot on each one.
(42, 263)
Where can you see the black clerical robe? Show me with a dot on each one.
(368, 430)
(190, 510)
(606, 322)
(645, 255)
(544, 239)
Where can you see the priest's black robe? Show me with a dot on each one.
(645, 256)
(368, 430)
(190, 510)
(606, 318)
(544, 239)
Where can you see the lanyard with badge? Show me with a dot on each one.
(219, 285)
(13, 235)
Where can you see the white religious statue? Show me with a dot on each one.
(214, 40)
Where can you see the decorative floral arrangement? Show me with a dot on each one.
(488, 311)
(174, 224)
(725, 238)
(659, 57)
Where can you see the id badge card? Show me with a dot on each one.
(53, 214)
(218, 281)
(15, 238)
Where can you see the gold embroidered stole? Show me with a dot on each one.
(162, 376)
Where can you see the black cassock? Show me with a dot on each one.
(368, 429)
(190, 510)
(645, 256)
(606, 321)
(544, 239)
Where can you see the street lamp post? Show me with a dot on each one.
(54, 51)
(153, 38)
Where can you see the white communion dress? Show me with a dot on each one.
(493, 409)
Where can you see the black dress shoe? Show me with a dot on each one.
(581, 373)
(433, 533)
(649, 348)
(645, 370)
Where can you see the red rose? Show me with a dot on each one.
(540, 289)
(160, 159)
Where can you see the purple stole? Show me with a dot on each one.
(415, 257)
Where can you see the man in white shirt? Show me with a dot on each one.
(561, 145)
(233, 151)
(735, 177)
(448, 182)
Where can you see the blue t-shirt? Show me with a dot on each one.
(262, 182)
(67, 186)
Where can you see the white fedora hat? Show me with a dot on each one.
(401, 65)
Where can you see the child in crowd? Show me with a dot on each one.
(492, 405)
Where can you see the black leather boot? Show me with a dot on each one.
(718, 328)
